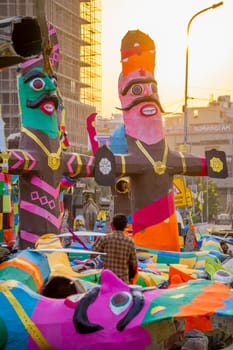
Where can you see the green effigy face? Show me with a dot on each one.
(39, 101)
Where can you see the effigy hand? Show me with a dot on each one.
(105, 167)
(4, 157)
(216, 164)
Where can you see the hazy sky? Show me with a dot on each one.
(210, 48)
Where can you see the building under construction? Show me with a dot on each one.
(78, 28)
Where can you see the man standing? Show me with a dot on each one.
(120, 251)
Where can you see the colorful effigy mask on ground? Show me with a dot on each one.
(133, 318)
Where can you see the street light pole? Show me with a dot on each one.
(214, 6)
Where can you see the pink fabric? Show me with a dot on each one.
(60, 333)
(28, 236)
(204, 171)
(88, 167)
(35, 209)
(155, 213)
(92, 132)
(54, 192)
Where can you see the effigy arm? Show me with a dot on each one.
(213, 164)
(78, 165)
(18, 162)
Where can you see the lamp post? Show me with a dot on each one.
(214, 6)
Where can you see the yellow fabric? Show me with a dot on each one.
(181, 240)
(6, 203)
(31, 328)
(190, 262)
(58, 261)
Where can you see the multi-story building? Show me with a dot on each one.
(209, 127)
(78, 28)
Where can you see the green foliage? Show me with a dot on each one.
(208, 192)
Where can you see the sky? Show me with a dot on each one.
(210, 40)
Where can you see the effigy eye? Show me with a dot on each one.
(37, 84)
(154, 88)
(137, 90)
(54, 81)
(119, 302)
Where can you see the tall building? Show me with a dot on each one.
(78, 27)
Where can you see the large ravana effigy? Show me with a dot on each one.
(143, 154)
(40, 160)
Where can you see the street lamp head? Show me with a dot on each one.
(217, 5)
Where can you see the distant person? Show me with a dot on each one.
(120, 250)
(186, 226)
(227, 248)
(180, 223)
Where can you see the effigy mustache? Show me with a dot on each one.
(43, 98)
(141, 100)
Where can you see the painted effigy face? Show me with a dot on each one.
(141, 107)
(39, 101)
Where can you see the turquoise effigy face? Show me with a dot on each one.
(39, 101)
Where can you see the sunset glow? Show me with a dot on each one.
(210, 48)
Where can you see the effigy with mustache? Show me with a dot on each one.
(39, 159)
(146, 161)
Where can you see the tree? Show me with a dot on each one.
(206, 204)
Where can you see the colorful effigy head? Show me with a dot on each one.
(39, 101)
(137, 88)
(39, 157)
(113, 315)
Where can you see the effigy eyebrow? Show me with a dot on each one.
(33, 74)
(136, 81)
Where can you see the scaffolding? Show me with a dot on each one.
(91, 53)
(78, 28)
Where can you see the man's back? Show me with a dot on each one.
(120, 253)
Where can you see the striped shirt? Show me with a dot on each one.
(120, 253)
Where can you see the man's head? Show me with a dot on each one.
(119, 222)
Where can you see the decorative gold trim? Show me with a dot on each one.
(79, 166)
(5, 155)
(54, 160)
(26, 163)
(183, 162)
(216, 164)
(123, 166)
(31, 328)
(158, 166)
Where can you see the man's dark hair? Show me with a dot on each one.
(119, 222)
